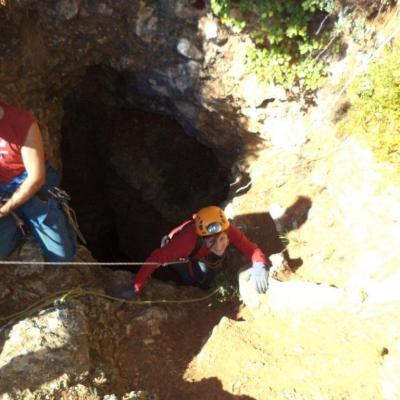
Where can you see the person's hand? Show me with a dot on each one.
(3, 211)
(259, 275)
(124, 293)
(137, 286)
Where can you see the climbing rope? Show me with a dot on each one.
(363, 67)
(89, 263)
(58, 299)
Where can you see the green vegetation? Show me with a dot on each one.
(228, 285)
(375, 113)
(287, 37)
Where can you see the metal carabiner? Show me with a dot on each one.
(59, 194)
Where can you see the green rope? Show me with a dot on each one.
(65, 295)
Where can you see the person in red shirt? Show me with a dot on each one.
(209, 233)
(24, 172)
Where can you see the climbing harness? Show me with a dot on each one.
(214, 262)
(64, 198)
(58, 301)
(167, 238)
(211, 261)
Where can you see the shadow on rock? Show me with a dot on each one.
(296, 215)
(269, 233)
(31, 370)
(156, 356)
(211, 389)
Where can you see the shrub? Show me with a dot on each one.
(286, 38)
(375, 113)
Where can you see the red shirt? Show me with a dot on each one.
(14, 127)
(182, 244)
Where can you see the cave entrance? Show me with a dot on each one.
(132, 174)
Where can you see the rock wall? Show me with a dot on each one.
(339, 218)
(64, 349)
(176, 59)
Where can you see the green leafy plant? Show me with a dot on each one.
(374, 113)
(222, 9)
(287, 38)
(226, 281)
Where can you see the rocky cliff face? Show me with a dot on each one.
(81, 66)
(323, 195)
(167, 52)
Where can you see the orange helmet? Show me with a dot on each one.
(210, 221)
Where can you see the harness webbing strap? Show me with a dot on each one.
(63, 198)
(196, 248)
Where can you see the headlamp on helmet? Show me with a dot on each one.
(210, 221)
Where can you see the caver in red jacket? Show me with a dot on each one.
(182, 245)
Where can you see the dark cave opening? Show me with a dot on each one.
(132, 174)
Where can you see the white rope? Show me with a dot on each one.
(363, 67)
(88, 263)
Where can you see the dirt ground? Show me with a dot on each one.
(310, 357)
(210, 350)
(159, 363)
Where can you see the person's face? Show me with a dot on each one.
(217, 243)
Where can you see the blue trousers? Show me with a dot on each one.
(45, 219)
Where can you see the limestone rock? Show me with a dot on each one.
(183, 77)
(153, 318)
(253, 91)
(285, 134)
(105, 10)
(68, 8)
(384, 291)
(209, 27)
(44, 349)
(187, 8)
(390, 371)
(290, 297)
(146, 22)
(28, 250)
(296, 296)
(188, 49)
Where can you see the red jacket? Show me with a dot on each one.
(183, 243)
